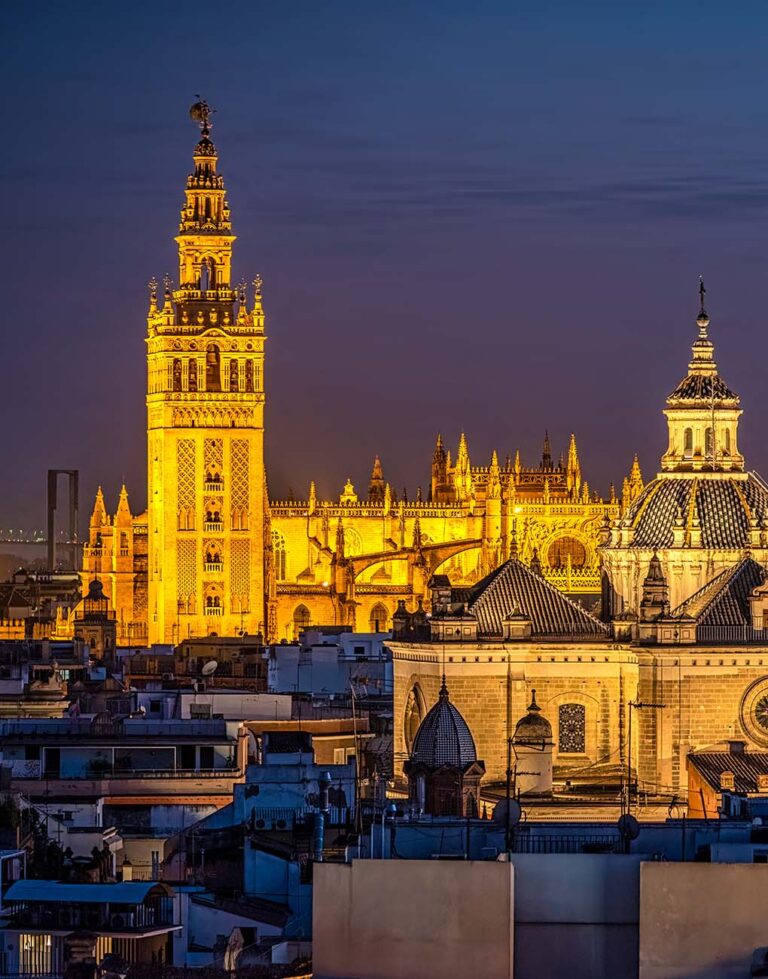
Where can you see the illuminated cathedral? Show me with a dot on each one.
(504, 577)
(213, 555)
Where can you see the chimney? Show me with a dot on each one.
(737, 747)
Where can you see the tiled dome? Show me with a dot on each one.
(443, 737)
(704, 388)
(722, 507)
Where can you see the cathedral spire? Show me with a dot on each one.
(494, 478)
(376, 485)
(573, 468)
(438, 457)
(546, 452)
(99, 516)
(462, 477)
(123, 516)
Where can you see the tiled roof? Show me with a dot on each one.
(443, 737)
(724, 601)
(699, 387)
(745, 765)
(514, 589)
(723, 508)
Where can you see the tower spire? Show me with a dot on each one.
(573, 468)
(702, 412)
(205, 238)
(546, 452)
(376, 484)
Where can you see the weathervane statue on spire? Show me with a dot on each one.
(201, 112)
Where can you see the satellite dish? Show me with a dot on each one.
(629, 826)
(210, 668)
(500, 813)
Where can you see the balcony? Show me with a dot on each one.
(132, 908)
(214, 486)
(213, 526)
(214, 610)
(213, 567)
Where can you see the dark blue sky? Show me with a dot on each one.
(487, 216)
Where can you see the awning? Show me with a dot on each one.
(125, 892)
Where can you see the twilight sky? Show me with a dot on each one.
(487, 216)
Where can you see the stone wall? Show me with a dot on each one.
(492, 684)
(703, 691)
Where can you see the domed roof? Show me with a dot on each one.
(704, 388)
(443, 737)
(721, 505)
(96, 591)
(533, 726)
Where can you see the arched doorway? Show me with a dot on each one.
(302, 619)
(379, 618)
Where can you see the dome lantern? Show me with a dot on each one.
(702, 412)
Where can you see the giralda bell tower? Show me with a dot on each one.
(205, 427)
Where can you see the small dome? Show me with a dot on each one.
(96, 591)
(533, 726)
(443, 737)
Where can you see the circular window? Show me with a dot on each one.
(754, 711)
(564, 548)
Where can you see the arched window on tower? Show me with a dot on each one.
(205, 275)
(278, 554)
(571, 729)
(302, 619)
(249, 375)
(177, 375)
(688, 443)
(234, 376)
(212, 368)
(709, 443)
(379, 619)
(192, 375)
(727, 442)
